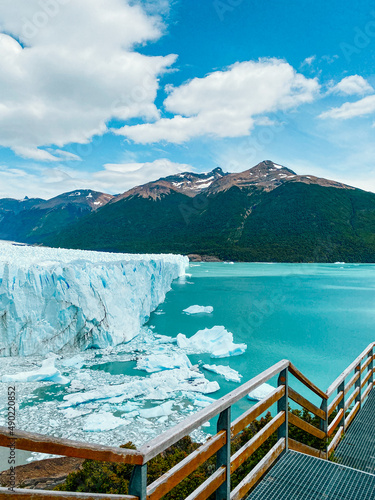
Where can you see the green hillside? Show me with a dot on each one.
(296, 222)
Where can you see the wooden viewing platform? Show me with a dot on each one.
(290, 470)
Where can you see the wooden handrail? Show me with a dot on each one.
(299, 376)
(331, 389)
(68, 448)
(248, 449)
(174, 476)
(255, 411)
(297, 398)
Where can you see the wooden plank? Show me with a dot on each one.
(305, 403)
(259, 470)
(248, 449)
(335, 422)
(366, 393)
(335, 402)
(352, 398)
(366, 363)
(366, 379)
(301, 424)
(171, 436)
(351, 382)
(307, 450)
(179, 472)
(255, 411)
(335, 441)
(209, 486)
(348, 370)
(299, 376)
(23, 494)
(352, 414)
(68, 448)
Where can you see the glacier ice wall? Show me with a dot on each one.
(55, 300)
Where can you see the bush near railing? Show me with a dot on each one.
(112, 478)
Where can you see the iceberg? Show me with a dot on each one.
(103, 421)
(217, 341)
(46, 373)
(71, 300)
(159, 362)
(162, 410)
(198, 309)
(228, 373)
(261, 392)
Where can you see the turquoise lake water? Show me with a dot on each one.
(318, 316)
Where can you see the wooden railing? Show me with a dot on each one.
(342, 393)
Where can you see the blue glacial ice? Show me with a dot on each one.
(261, 392)
(228, 373)
(216, 340)
(46, 373)
(198, 310)
(158, 362)
(58, 300)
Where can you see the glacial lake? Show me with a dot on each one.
(320, 316)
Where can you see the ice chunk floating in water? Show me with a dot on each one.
(103, 421)
(261, 392)
(225, 371)
(159, 362)
(198, 309)
(217, 341)
(47, 373)
(53, 299)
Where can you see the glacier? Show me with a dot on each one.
(71, 300)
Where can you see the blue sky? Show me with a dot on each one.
(107, 94)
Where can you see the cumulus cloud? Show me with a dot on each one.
(113, 178)
(363, 107)
(226, 103)
(68, 67)
(352, 85)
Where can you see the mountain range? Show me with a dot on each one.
(267, 213)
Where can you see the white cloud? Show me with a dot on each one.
(226, 103)
(114, 178)
(363, 107)
(352, 85)
(78, 70)
(308, 61)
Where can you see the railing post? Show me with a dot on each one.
(340, 388)
(358, 384)
(138, 482)
(282, 405)
(223, 455)
(371, 367)
(324, 423)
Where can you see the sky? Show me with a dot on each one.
(109, 94)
